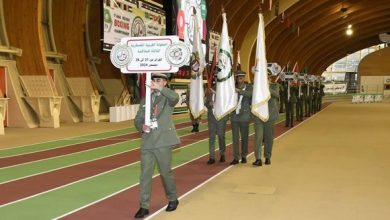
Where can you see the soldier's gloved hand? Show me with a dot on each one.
(238, 90)
(145, 128)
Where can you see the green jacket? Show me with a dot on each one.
(245, 111)
(165, 135)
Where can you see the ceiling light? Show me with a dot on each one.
(349, 32)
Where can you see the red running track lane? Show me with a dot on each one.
(25, 158)
(124, 205)
(29, 186)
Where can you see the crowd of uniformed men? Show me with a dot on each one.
(296, 98)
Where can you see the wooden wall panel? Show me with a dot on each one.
(322, 29)
(105, 68)
(375, 64)
(23, 23)
(68, 27)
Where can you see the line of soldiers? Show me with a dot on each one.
(240, 119)
(300, 99)
(297, 98)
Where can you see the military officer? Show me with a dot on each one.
(157, 142)
(265, 130)
(299, 104)
(240, 118)
(291, 99)
(310, 98)
(282, 97)
(321, 94)
(304, 99)
(315, 97)
(215, 128)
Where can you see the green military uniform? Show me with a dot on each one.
(240, 122)
(157, 145)
(299, 104)
(215, 128)
(304, 99)
(315, 97)
(310, 100)
(282, 97)
(291, 99)
(321, 94)
(264, 130)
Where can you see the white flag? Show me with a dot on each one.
(226, 95)
(198, 64)
(261, 93)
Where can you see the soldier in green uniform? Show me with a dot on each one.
(282, 97)
(265, 130)
(215, 128)
(310, 98)
(195, 122)
(315, 97)
(157, 142)
(240, 118)
(291, 99)
(299, 104)
(304, 99)
(321, 94)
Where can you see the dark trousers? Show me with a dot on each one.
(216, 128)
(240, 128)
(281, 104)
(309, 107)
(290, 114)
(299, 109)
(264, 132)
(319, 103)
(314, 105)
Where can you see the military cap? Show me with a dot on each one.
(240, 73)
(161, 75)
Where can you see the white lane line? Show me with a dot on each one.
(56, 157)
(78, 138)
(60, 139)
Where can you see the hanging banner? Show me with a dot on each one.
(214, 38)
(335, 88)
(131, 18)
(188, 11)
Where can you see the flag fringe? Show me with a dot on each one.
(200, 113)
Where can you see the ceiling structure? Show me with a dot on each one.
(322, 24)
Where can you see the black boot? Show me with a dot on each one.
(196, 128)
(193, 127)
(141, 213)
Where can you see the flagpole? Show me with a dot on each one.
(147, 99)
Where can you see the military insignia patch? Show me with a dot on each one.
(177, 54)
(121, 55)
